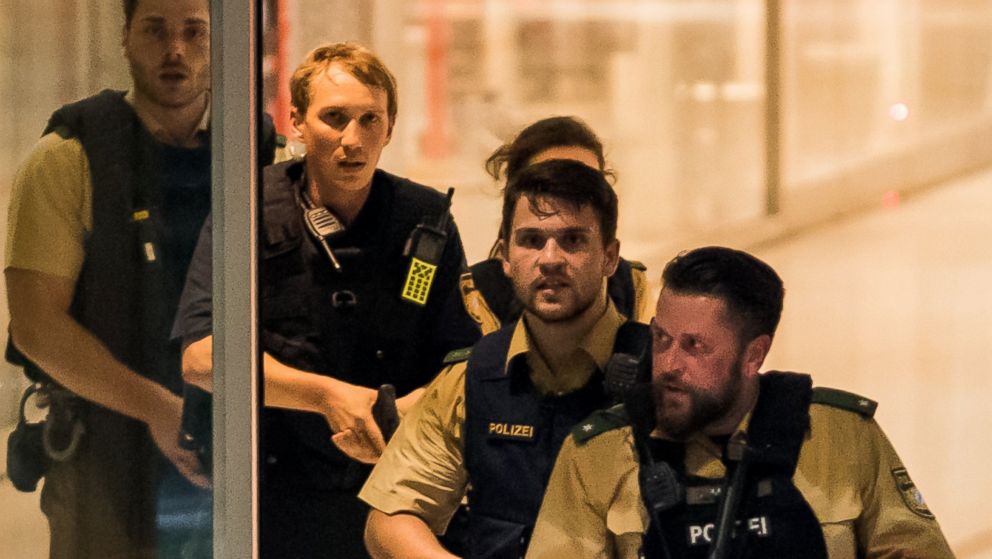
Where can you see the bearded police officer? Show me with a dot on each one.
(359, 287)
(495, 419)
(712, 459)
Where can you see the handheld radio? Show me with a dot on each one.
(323, 225)
(424, 247)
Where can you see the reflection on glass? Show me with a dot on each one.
(675, 89)
(104, 212)
(866, 78)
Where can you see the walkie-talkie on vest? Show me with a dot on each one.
(659, 484)
(424, 248)
(628, 378)
(323, 225)
(738, 454)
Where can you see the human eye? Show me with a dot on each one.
(195, 32)
(573, 240)
(659, 338)
(529, 240)
(695, 345)
(369, 119)
(335, 119)
(153, 30)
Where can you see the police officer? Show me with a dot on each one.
(104, 217)
(486, 290)
(737, 463)
(494, 420)
(359, 287)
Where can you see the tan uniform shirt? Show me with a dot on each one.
(848, 472)
(422, 470)
(51, 211)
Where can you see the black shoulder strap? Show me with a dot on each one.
(496, 289)
(270, 141)
(282, 229)
(620, 288)
(780, 419)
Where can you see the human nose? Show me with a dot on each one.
(551, 254)
(175, 44)
(666, 361)
(351, 135)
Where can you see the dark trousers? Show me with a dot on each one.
(118, 498)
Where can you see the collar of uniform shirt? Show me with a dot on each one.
(156, 129)
(707, 461)
(592, 354)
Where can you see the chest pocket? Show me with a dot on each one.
(289, 328)
(837, 515)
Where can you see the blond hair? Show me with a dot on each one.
(358, 60)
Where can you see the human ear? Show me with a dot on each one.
(755, 353)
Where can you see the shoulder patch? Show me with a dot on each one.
(844, 400)
(64, 132)
(600, 422)
(457, 355)
(637, 265)
(910, 494)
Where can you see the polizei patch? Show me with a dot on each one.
(910, 494)
(511, 431)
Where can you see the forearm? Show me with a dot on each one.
(198, 364)
(288, 387)
(77, 360)
(403, 536)
(285, 386)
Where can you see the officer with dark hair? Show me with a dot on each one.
(710, 458)
(104, 216)
(493, 421)
(359, 288)
(486, 290)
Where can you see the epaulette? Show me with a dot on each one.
(844, 400)
(456, 356)
(637, 265)
(64, 132)
(600, 422)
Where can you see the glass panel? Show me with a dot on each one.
(868, 79)
(105, 212)
(675, 89)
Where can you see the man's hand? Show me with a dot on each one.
(348, 411)
(164, 430)
(358, 447)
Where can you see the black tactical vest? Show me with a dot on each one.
(149, 202)
(512, 438)
(497, 289)
(774, 520)
(351, 325)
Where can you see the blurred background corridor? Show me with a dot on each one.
(847, 142)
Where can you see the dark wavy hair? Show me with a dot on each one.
(556, 131)
(751, 289)
(565, 180)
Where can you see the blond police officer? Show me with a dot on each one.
(738, 464)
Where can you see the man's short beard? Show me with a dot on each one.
(704, 407)
(527, 299)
